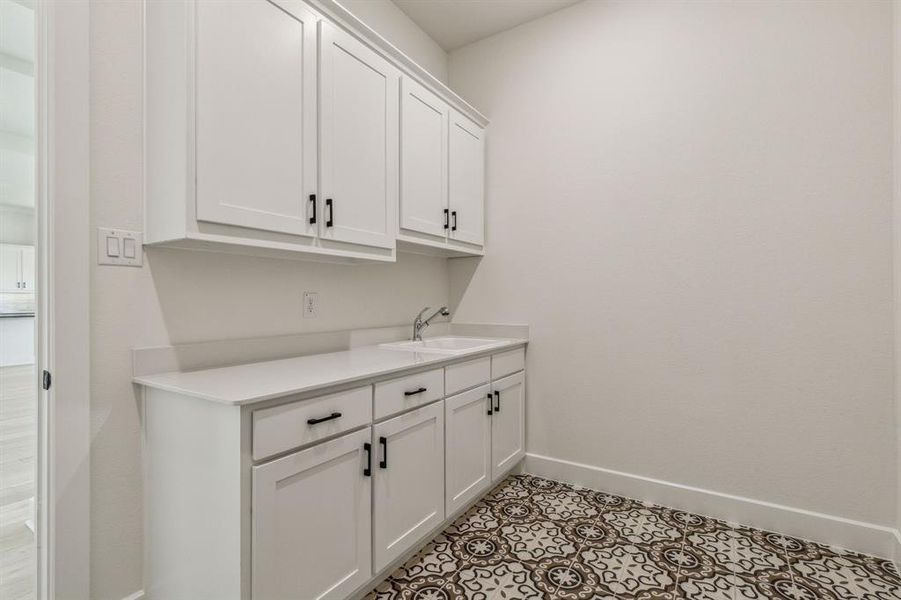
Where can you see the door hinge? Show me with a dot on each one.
(46, 379)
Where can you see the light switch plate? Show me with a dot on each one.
(115, 245)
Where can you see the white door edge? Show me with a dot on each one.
(63, 270)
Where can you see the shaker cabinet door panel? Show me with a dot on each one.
(507, 424)
(358, 148)
(423, 149)
(466, 180)
(312, 515)
(408, 468)
(256, 114)
(468, 422)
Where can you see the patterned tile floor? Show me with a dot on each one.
(536, 538)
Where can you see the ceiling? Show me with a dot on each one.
(455, 23)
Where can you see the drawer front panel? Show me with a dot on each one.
(467, 375)
(507, 363)
(282, 428)
(397, 395)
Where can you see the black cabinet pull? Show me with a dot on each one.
(490, 411)
(454, 226)
(313, 200)
(446, 219)
(334, 415)
(414, 392)
(367, 448)
(497, 401)
(383, 464)
(331, 212)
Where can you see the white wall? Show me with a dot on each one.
(183, 296)
(690, 203)
(396, 27)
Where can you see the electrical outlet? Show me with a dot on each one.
(310, 305)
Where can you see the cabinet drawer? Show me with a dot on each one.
(506, 363)
(281, 428)
(466, 375)
(397, 395)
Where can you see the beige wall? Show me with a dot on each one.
(896, 72)
(396, 27)
(690, 203)
(184, 296)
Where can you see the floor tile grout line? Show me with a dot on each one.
(792, 569)
(497, 532)
(582, 545)
(501, 521)
(733, 554)
(641, 528)
(676, 593)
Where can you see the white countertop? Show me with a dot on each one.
(255, 382)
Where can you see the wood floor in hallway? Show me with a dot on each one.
(18, 445)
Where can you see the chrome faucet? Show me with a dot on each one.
(419, 323)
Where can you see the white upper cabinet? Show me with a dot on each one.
(466, 176)
(256, 114)
(273, 127)
(359, 99)
(423, 167)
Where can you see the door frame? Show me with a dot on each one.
(62, 185)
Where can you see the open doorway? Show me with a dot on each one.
(18, 287)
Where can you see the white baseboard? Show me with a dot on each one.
(868, 538)
(139, 595)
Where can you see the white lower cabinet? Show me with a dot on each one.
(507, 423)
(312, 498)
(408, 474)
(312, 522)
(468, 421)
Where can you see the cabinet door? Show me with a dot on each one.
(423, 166)
(507, 424)
(408, 467)
(358, 148)
(312, 522)
(466, 177)
(10, 268)
(26, 268)
(468, 420)
(256, 114)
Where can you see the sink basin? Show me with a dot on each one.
(445, 345)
